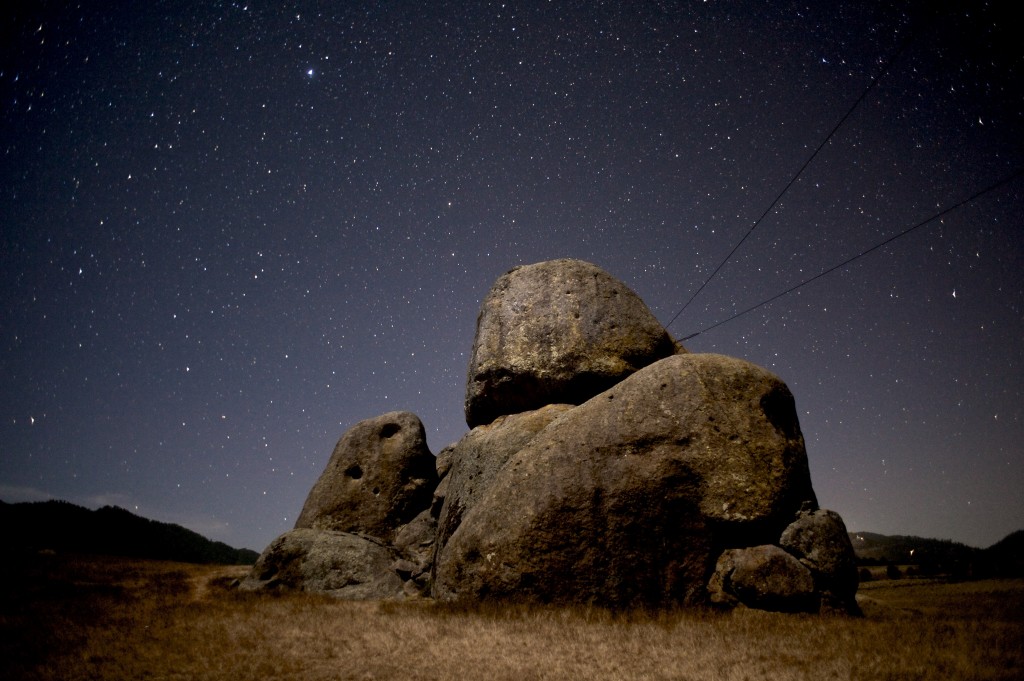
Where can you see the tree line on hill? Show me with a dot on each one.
(64, 527)
(931, 557)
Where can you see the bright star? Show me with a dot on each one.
(309, 73)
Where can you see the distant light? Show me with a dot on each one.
(309, 73)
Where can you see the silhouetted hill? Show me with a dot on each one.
(1005, 558)
(941, 556)
(65, 527)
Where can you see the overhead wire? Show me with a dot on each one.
(874, 81)
(936, 216)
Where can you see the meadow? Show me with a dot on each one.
(74, 618)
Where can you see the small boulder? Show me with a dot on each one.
(380, 476)
(820, 541)
(338, 564)
(559, 331)
(763, 577)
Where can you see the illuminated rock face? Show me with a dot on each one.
(559, 331)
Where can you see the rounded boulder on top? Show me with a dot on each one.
(558, 331)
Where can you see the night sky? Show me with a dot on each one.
(230, 231)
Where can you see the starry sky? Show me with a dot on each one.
(231, 230)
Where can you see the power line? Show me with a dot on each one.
(871, 85)
(936, 216)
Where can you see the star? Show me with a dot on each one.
(352, 254)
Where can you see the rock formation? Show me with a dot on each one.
(605, 465)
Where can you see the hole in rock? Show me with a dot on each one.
(354, 471)
(390, 429)
(376, 491)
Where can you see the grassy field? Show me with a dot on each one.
(76, 618)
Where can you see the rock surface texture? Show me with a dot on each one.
(479, 456)
(605, 466)
(559, 331)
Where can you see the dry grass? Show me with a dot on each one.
(111, 619)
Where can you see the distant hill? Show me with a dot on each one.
(941, 556)
(65, 527)
(1006, 557)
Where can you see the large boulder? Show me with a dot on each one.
(559, 331)
(380, 476)
(621, 500)
(338, 564)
